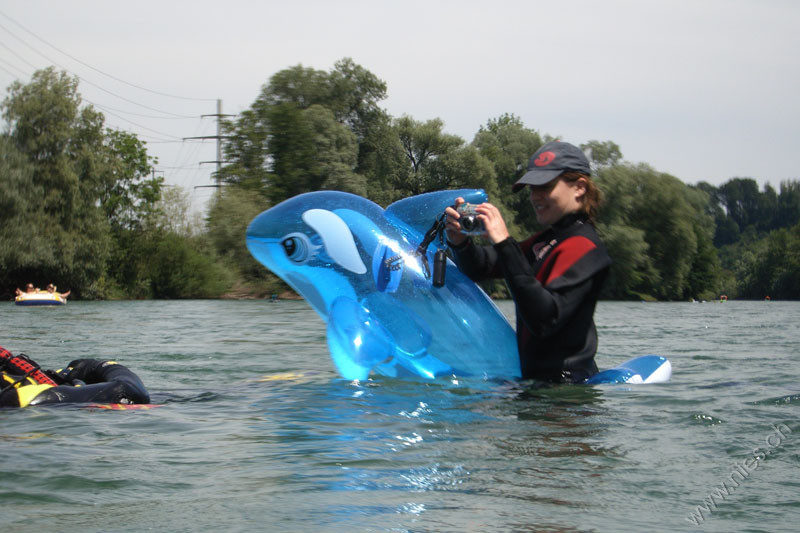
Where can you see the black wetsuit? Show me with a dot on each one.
(23, 383)
(555, 278)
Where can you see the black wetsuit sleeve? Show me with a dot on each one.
(478, 263)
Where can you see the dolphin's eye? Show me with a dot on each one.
(297, 247)
(290, 245)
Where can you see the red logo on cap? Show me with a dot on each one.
(544, 159)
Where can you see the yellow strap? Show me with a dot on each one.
(19, 381)
(29, 392)
(27, 389)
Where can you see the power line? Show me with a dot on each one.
(14, 67)
(218, 136)
(187, 157)
(18, 56)
(190, 148)
(137, 125)
(7, 71)
(83, 79)
(194, 167)
(100, 71)
(181, 117)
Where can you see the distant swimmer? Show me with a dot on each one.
(24, 383)
(29, 289)
(52, 290)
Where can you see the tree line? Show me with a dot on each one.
(80, 205)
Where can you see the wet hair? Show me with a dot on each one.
(591, 199)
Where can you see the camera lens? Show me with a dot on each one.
(467, 222)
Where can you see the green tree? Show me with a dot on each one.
(355, 94)
(25, 245)
(602, 154)
(788, 204)
(632, 269)
(766, 214)
(508, 145)
(382, 160)
(775, 270)
(740, 198)
(58, 137)
(435, 160)
(173, 213)
(92, 186)
(425, 146)
(704, 279)
(310, 151)
(127, 192)
(727, 231)
(245, 149)
(676, 227)
(182, 267)
(308, 130)
(231, 211)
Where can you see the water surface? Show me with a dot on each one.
(255, 431)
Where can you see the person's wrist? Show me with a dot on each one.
(459, 243)
(498, 238)
(501, 243)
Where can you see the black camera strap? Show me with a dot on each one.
(439, 258)
(436, 230)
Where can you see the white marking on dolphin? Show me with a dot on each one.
(337, 239)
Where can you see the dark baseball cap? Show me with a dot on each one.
(552, 160)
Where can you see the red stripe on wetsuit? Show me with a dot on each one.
(563, 257)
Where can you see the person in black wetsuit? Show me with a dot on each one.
(554, 276)
(24, 383)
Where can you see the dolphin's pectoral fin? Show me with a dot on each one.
(356, 340)
(364, 335)
(387, 268)
(411, 336)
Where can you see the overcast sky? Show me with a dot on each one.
(703, 90)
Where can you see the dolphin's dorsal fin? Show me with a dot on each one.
(420, 212)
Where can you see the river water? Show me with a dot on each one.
(255, 431)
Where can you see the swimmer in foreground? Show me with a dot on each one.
(554, 276)
(24, 383)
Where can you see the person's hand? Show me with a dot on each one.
(496, 230)
(454, 235)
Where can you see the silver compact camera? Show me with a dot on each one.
(470, 223)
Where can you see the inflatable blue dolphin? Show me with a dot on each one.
(358, 266)
(366, 271)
